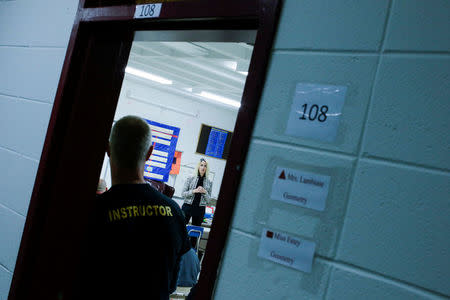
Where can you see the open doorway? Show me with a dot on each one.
(84, 110)
(188, 86)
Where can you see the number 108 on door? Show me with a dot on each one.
(147, 11)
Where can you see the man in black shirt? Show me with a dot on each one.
(139, 235)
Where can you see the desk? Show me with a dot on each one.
(180, 293)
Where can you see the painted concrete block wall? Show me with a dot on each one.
(32, 50)
(384, 232)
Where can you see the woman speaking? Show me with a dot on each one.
(196, 193)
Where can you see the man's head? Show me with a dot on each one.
(130, 143)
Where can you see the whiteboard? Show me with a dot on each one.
(185, 172)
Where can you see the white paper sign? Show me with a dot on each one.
(300, 188)
(287, 250)
(315, 111)
(144, 11)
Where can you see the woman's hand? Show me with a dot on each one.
(200, 189)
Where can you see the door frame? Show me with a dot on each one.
(80, 123)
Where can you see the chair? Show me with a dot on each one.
(161, 187)
(195, 231)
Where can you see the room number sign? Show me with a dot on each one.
(144, 11)
(315, 111)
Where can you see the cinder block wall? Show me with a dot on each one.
(33, 42)
(385, 231)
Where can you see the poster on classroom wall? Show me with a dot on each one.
(176, 163)
(214, 142)
(164, 139)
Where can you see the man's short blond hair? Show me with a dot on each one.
(129, 142)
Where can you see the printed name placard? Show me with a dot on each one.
(315, 111)
(287, 250)
(300, 188)
(144, 11)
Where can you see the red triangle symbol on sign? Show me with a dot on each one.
(282, 175)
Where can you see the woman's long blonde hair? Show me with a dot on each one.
(196, 173)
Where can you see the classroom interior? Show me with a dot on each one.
(187, 85)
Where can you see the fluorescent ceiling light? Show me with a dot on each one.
(230, 64)
(148, 76)
(243, 73)
(220, 99)
(186, 48)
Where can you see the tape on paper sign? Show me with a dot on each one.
(300, 188)
(286, 250)
(315, 111)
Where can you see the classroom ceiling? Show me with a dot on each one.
(192, 69)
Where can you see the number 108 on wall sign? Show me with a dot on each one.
(146, 11)
(315, 111)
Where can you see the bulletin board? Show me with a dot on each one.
(214, 142)
(164, 139)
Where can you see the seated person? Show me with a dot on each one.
(189, 269)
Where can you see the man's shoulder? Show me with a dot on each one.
(156, 196)
(168, 201)
(132, 192)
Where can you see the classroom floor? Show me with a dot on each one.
(180, 293)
